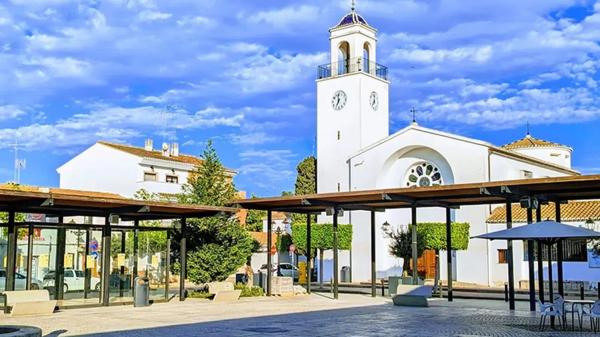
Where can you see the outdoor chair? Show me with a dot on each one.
(549, 310)
(594, 314)
(559, 302)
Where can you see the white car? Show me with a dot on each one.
(20, 281)
(74, 280)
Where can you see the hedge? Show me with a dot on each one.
(322, 236)
(433, 235)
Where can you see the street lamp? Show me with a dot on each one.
(278, 232)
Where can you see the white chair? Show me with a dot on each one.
(549, 310)
(559, 301)
(594, 314)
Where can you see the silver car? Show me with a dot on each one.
(20, 281)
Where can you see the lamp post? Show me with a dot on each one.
(278, 245)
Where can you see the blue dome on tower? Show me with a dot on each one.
(352, 18)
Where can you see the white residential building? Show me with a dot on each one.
(124, 169)
(356, 152)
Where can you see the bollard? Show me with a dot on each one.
(331, 286)
(505, 292)
(441, 290)
(382, 288)
(581, 292)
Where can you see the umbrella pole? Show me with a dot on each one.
(511, 267)
(540, 260)
(559, 253)
(550, 286)
(530, 258)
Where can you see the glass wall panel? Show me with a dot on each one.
(3, 257)
(21, 263)
(75, 272)
(44, 258)
(121, 267)
(153, 261)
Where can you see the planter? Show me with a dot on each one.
(19, 331)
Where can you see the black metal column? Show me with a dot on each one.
(29, 255)
(183, 259)
(168, 265)
(308, 253)
(415, 252)
(540, 257)
(449, 252)
(59, 271)
(530, 264)
(559, 253)
(106, 256)
(11, 259)
(511, 262)
(335, 254)
(550, 285)
(373, 257)
(269, 257)
(136, 233)
(122, 268)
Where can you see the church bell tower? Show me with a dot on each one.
(352, 100)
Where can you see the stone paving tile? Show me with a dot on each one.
(352, 315)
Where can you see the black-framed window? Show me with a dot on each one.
(573, 251)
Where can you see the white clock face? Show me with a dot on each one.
(338, 101)
(374, 101)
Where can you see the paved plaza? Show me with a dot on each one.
(315, 315)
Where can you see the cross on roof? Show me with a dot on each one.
(414, 114)
(353, 5)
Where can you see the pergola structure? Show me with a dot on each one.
(531, 193)
(63, 203)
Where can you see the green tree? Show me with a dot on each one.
(254, 219)
(430, 235)
(217, 246)
(321, 239)
(306, 183)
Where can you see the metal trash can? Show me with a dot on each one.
(141, 296)
(345, 275)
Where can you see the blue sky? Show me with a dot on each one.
(242, 73)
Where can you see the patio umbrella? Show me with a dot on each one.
(546, 231)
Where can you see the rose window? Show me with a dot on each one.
(423, 175)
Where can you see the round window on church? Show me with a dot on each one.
(423, 175)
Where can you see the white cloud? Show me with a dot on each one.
(151, 15)
(268, 167)
(195, 21)
(285, 17)
(116, 123)
(10, 112)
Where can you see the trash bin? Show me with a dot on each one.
(142, 292)
(393, 282)
(345, 277)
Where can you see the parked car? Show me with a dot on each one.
(74, 280)
(287, 270)
(20, 281)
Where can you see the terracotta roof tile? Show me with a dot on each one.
(141, 152)
(62, 191)
(575, 211)
(529, 141)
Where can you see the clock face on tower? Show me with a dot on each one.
(338, 101)
(374, 101)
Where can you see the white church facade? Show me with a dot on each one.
(355, 151)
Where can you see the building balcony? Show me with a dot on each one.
(350, 66)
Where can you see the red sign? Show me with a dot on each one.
(273, 250)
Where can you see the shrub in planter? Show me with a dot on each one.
(249, 291)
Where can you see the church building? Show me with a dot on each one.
(355, 151)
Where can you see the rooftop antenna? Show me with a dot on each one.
(413, 111)
(528, 133)
(19, 163)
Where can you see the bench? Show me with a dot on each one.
(29, 302)
(223, 291)
(412, 296)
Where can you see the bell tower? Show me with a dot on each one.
(352, 100)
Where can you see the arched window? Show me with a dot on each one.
(423, 174)
(343, 58)
(366, 57)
